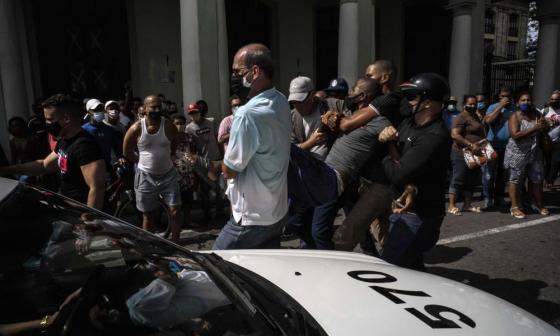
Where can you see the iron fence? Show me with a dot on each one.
(517, 75)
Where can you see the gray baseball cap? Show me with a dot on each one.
(300, 88)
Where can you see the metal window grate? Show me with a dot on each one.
(515, 74)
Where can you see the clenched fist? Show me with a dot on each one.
(388, 134)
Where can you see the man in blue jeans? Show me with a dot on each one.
(256, 160)
(493, 174)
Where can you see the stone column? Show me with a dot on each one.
(461, 43)
(190, 51)
(348, 41)
(223, 65)
(546, 67)
(12, 66)
(14, 98)
(373, 50)
(477, 47)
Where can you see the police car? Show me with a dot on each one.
(66, 269)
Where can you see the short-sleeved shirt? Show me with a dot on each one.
(554, 116)
(109, 140)
(259, 151)
(449, 117)
(183, 162)
(470, 128)
(205, 139)
(309, 124)
(73, 153)
(225, 127)
(498, 132)
(393, 106)
(351, 151)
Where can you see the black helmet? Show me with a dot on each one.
(428, 86)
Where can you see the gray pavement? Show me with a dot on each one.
(518, 264)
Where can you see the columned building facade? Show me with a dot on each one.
(184, 48)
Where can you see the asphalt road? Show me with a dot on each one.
(518, 263)
(516, 260)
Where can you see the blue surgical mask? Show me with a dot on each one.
(480, 106)
(98, 116)
(524, 107)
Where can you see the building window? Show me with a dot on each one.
(513, 25)
(489, 22)
(512, 50)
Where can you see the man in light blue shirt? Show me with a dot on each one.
(257, 157)
(493, 174)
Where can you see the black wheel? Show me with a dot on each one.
(128, 212)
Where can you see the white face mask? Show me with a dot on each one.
(98, 116)
(113, 113)
(451, 107)
(234, 109)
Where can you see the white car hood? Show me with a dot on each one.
(343, 305)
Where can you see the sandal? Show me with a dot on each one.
(542, 211)
(517, 213)
(454, 211)
(474, 209)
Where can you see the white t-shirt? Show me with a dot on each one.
(310, 123)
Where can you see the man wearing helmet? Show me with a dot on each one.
(424, 144)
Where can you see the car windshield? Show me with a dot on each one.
(93, 274)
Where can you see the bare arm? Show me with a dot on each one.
(223, 138)
(458, 138)
(94, 176)
(130, 142)
(315, 138)
(491, 117)
(227, 172)
(173, 136)
(34, 168)
(514, 127)
(358, 119)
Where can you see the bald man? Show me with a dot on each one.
(257, 157)
(154, 138)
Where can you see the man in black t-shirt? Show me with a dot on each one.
(77, 156)
(423, 146)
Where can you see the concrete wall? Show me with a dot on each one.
(209, 58)
(155, 48)
(365, 38)
(294, 42)
(391, 32)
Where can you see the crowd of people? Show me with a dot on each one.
(386, 154)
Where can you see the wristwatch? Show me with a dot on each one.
(44, 322)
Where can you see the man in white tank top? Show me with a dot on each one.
(155, 140)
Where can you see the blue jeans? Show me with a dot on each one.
(463, 178)
(494, 177)
(235, 236)
(314, 226)
(409, 237)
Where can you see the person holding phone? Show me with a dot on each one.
(493, 174)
